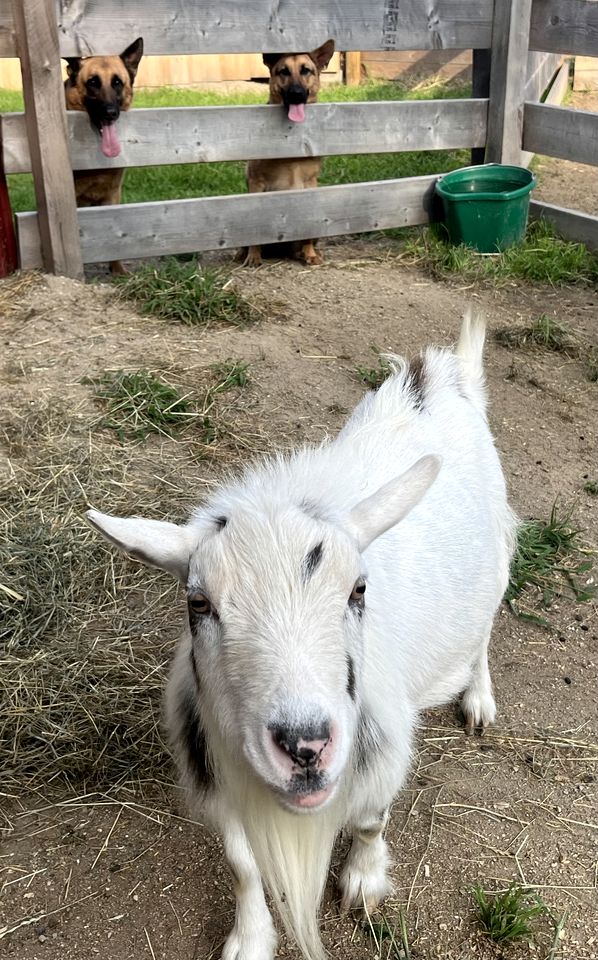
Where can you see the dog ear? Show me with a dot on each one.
(323, 55)
(131, 57)
(73, 65)
(270, 59)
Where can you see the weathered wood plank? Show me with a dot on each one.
(565, 26)
(558, 132)
(541, 68)
(570, 224)
(8, 46)
(510, 32)
(250, 26)
(206, 134)
(555, 94)
(137, 230)
(37, 39)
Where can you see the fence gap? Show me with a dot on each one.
(43, 93)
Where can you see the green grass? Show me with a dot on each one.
(231, 374)
(139, 403)
(507, 916)
(374, 376)
(391, 939)
(215, 179)
(545, 332)
(591, 487)
(542, 257)
(549, 558)
(184, 292)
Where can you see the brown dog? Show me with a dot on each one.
(294, 81)
(102, 86)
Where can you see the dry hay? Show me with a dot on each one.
(85, 635)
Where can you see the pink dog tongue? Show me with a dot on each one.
(110, 142)
(297, 112)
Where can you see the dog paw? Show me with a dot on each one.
(252, 260)
(479, 709)
(312, 259)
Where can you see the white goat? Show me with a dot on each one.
(293, 697)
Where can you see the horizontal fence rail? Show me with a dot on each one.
(251, 26)
(206, 134)
(564, 26)
(136, 230)
(558, 132)
(570, 224)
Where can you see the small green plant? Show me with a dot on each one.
(542, 257)
(591, 487)
(392, 938)
(550, 557)
(231, 374)
(375, 376)
(139, 403)
(544, 332)
(507, 916)
(185, 292)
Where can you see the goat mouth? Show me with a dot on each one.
(304, 801)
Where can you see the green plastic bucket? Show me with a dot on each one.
(486, 207)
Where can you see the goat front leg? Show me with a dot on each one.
(253, 936)
(364, 880)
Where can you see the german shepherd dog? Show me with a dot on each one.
(294, 81)
(103, 86)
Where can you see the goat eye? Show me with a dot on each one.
(200, 605)
(357, 593)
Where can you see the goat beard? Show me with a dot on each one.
(293, 853)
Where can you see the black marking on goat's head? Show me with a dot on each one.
(351, 677)
(312, 560)
(193, 742)
(416, 380)
(369, 741)
(313, 510)
(195, 670)
(221, 522)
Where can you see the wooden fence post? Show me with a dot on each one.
(43, 93)
(353, 68)
(508, 73)
(8, 244)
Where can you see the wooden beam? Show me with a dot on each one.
(565, 26)
(37, 41)
(541, 68)
(8, 47)
(570, 224)
(510, 32)
(558, 132)
(206, 134)
(555, 95)
(353, 68)
(256, 26)
(155, 229)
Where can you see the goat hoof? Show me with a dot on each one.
(479, 711)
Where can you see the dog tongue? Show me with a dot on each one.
(110, 142)
(297, 112)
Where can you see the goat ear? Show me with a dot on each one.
(388, 505)
(153, 542)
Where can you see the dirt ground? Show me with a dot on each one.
(123, 874)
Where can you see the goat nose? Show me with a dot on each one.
(303, 745)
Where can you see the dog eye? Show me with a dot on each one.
(358, 593)
(116, 82)
(305, 70)
(284, 72)
(94, 82)
(200, 605)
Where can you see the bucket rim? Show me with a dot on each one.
(515, 194)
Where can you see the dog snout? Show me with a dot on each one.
(304, 745)
(111, 111)
(296, 93)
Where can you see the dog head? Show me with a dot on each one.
(103, 86)
(295, 78)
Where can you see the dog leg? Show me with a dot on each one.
(309, 255)
(254, 257)
(118, 269)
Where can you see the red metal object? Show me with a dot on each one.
(8, 240)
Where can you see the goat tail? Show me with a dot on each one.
(293, 853)
(469, 350)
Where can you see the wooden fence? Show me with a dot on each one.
(505, 117)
